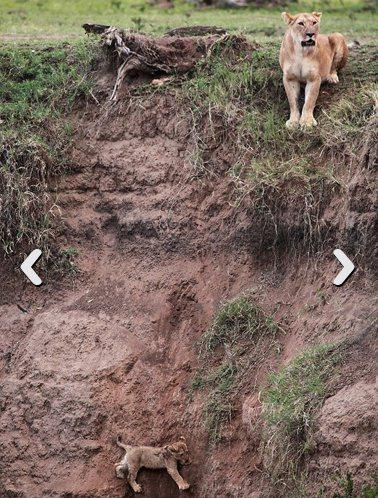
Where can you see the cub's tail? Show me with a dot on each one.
(120, 443)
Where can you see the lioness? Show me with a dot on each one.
(165, 457)
(309, 58)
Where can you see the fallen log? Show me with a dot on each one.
(173, 54)
(96, 29)
(196, 31)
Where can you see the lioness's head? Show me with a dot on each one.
(179, 451)
(304, 27)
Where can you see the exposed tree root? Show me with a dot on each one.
(175, 53)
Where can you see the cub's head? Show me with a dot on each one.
(179, 451)
(304, 27)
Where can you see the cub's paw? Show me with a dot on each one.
(184, 485)
(332, 78)
(137, 488)
(291, 124)
(307, 123)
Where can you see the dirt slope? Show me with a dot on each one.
(112, 352)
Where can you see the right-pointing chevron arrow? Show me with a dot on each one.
(347, 264)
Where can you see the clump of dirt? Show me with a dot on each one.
(114, 350)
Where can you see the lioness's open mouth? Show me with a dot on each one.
(308, 43)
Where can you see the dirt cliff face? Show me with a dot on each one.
(350, 444)
(113, 350)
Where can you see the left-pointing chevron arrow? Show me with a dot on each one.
(26, 266)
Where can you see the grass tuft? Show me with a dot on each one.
(218, 408)
(290, 401)
(236, 342)
(236, 320)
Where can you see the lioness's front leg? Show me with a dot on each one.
(174, 473)
(292, 88)
(311, 95)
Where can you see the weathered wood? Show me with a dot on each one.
(96, 29)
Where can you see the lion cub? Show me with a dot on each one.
(165, 457)
(309, 58)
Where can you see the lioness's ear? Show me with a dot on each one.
(317, 15)
(288, 18)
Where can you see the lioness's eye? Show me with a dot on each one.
(301, 23)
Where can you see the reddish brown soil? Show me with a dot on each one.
(112, 351)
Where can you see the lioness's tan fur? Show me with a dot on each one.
(165, 457)
(309, 58)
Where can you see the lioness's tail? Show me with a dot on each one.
(120, 443)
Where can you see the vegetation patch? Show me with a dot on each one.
(290, 401)
(38, 87)
(239, 320)
(370, 490)
(236, 342)
(346, 488)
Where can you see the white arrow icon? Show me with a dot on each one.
(26, 266)
(347, 264)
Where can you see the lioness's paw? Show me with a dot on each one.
(137, 488)
(291, 124)
(308, 122)
(185, 485)
(332, 78)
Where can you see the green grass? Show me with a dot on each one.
(64, 262)
(236, 341)
(36, 81)
(347, 488)
(291, 400)
(63, 20)
(370, 490)
(38, 88)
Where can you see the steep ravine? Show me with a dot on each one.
(113, 350)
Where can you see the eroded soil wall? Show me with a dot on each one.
(113, 350)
